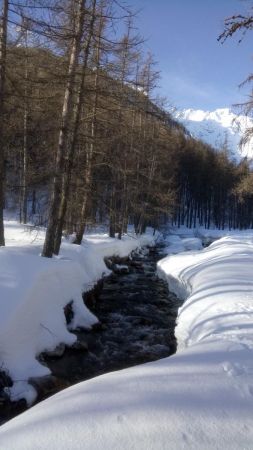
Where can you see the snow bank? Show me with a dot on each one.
(34, 292)
(218, 285)
(176, 244)
(200, 398)
(96, 247)
(209, 235)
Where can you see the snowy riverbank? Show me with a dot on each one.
(200, 398)
(35, 290)
(218, 287)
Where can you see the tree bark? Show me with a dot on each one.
(90, 148)
(56, 197)
(3, 45)
(73, 139)
(23, 206)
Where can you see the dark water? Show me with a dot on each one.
(137, 317)
(137, 314)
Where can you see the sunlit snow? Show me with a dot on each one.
(221, 128)
(201, 398)
(35, 290)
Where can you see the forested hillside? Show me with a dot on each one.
(84, 140)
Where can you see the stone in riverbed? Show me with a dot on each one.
(79, 346)
(5, 380)
(57, 352)
(48, 385)
(120, 269)
(4, 399)
(98, 326)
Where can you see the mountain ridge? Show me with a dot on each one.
(221, 128)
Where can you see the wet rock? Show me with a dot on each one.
(68, 311)
(121, 269)
(109, 263)
(137, 264)
(48, 385)
(4, 399)
(9, 409)
(79, 346)
(91, 297)
(116, 260)
(5, 380)
(57, 352)
(20, 405)
(99, 326)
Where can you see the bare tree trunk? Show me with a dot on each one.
(112, 225)
(87, 182)
(54, 210)
(24, 177)
(150, 175)
(90, 148)
(3, 44)
(34, 202)
(73, 140)
(23, 205)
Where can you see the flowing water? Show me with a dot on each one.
(137, 317)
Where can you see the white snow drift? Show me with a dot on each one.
(218, 286)
(34, 292)
(201, 398)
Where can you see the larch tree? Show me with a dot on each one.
(241, 24)
(72, 137)
(3, 46)
(62, 149)
(90, 144)
(24, 153)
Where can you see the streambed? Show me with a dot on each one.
(137, 315)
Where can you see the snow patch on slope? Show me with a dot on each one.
(218, 128)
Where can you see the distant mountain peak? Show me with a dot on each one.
(219, 128)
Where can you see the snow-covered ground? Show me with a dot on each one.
(177, 244)
(35, 290)
(218, 287)
(201, 398)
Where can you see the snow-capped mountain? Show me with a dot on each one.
(220, 128)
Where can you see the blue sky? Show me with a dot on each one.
(196, 70)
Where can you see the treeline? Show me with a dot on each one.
(82, 138)
(213, 191)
